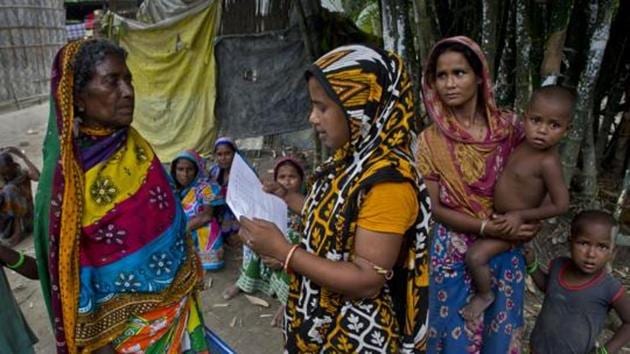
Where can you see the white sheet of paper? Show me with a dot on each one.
(245, 196)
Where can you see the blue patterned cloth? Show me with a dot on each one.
(451, 287)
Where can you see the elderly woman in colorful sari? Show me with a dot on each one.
(359, 276)
(461, 155)
(199, 196)
(117, 268)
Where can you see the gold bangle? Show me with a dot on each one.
(387, 273)
(288, 259)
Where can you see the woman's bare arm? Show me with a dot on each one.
(200, 219)
(28, 267)
(461, 222)
(355, 279)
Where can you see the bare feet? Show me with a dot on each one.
(276, 321)
(477, 305)
(231, 291)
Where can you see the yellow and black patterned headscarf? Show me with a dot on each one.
(374, 91)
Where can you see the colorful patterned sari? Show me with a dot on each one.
(119, 268)
(199, 194)
(466, 171)
(374, 90)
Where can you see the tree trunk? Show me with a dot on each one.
(489, 24)
(505, 72)
(398, 38)
(537, 28)
(613, 106)
(622, 240)
(523, 46)
(558, 24)
(599, 31)
(619, 148)
(426, 27)
(590, 188)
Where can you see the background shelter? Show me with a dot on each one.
(31, 32)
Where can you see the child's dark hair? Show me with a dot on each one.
(472, 58)
(587, 217)
(6, 159)
(556, 93)
(291, 163)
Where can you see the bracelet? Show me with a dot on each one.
(19, 263)
(483, 226)
(388, 274)
(532, 268)
(288, 259)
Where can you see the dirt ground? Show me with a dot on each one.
(244, 326)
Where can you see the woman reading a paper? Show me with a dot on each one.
(359, 276)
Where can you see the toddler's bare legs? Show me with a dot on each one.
(477, 258)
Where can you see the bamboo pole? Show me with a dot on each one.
(505, 77)
(426, 28)
(523, 49)
(398, 38)
(320, 151)
(558, 24)
(622, 240)
(590, 188)
(613, 106)
(599, 29)
(489, 19)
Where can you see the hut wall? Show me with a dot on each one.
(31, 32)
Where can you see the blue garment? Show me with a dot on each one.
(451, 287)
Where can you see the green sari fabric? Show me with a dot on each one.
(42, 204)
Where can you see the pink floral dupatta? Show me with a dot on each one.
(465, 168)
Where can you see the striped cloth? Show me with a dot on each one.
(76, 31)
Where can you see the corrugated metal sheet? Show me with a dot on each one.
(31, 32)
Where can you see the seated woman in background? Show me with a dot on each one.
(199, 196)
(16, 198)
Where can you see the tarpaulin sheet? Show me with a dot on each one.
(173, 70)
(261, 86)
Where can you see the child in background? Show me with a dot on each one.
(533, 171)
(16, 198)
(267, 278)
(224, 150)
(579, 291)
